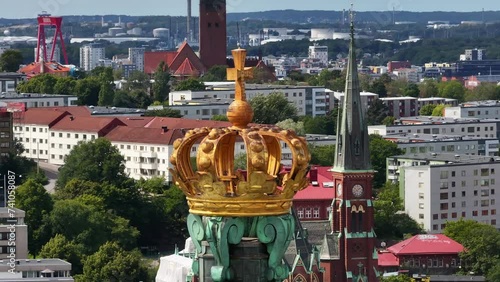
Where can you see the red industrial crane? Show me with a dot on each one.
(44, 20)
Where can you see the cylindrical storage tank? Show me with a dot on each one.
(161, 32)
(341, 35)
(137, 31)
(322, 33)
(114, 31)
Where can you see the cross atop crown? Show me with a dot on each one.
(239, 73)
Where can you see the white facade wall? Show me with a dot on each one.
(90, 55)
(35, 139)
(483, 112)
(479, 129)
(450, 192)
(62, 142)
(320, 53)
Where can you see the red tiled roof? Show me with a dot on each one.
(387, 259)
(73, 110)
(135, 121)
(100, 125)
(187, 69)
(318, 192)
(182, 123)
(186, 52)
(42, 117)
(143, 135)
(427, 244)
(153, 59)
(48, 67)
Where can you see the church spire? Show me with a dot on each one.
(352, 151)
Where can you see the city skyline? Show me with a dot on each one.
(11, 9)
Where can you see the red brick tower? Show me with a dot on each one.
(213, 32)
(353, 217)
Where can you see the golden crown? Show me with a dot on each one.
(216, 188)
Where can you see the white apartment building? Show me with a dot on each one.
(13, 217)
(57, 53)
(440, 125)
(36, 100)
(90, 55)
(479, 109)
(435, 194)
(310, 101)
(36, 270)
(473, 55)
(320, 53)
(136, 57)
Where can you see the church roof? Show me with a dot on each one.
(187, 69)
(435, 244)
(184, 61)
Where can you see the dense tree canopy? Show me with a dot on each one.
(215, 73)
(34, 200)
(377, 112)
(60, 247)
(161, 85)
(272, 108)
(96, 160)
(391, 222)
(298, 126)
(165, 112)
(10, 60)
(192, 84)
(380, 150)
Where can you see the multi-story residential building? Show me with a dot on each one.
(320, 53)
(401, 106)
(473, 55)
(12, 226)
(136, 57)
(6, 132)
(36, 100)
(310, 101)
(90, 55)
(9, 81)
(449, 188)
(36, 270)
(480, 110)
(486, 128)
(408, 74)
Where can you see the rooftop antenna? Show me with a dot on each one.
(238, 42)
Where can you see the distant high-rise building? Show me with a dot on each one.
(320, 53)
(57, 53)
(90, 55)
(473, 55)
(136, 56)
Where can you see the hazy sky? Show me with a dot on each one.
(30, 8)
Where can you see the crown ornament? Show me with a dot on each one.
(216, 188)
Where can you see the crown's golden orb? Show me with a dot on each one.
(217, 189)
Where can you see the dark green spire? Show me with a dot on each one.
(352, 151)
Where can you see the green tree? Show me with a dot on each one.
(141, 98)
(96, 160)
(86, 221)
(272, 108)
(10, 60)
(65, 86)
(427, 109)
(114, 264)
(298, 126)
(220, 118)
(494, 273)
(240, 161)
(378, 87)
(123, 99)
(390, 220)
(215, 73)
(192, 84)
(377, 112)
(165, 112)
(481, 242)
(137, 80)
(428, 88)
(322, 155)
(411, 90)
(452, 89)
(43, 83)
(106, 95)
(319, 125)
(397, 278)
(155, 185)
(60, 247)
(87, 90)
(380, 150)
(439, 110)
(388, 120)
(161, 85)
(484, 91)
(37, 204)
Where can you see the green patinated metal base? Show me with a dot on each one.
(240, 248)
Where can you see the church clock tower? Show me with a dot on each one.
(352, 208)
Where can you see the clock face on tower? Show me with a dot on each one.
(357, 190)
(339, 189)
